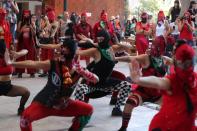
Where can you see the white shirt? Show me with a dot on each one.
(160, 30)
(175, 28)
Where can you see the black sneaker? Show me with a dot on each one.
(113, 101)
(32, 75)
(116, 111)
(20, 111)
(20, 75)
(122, 129)
(42, 75)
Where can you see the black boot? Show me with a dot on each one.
(116, 111)
(20, 75)
(122, 129)
(32, 75)
(113, 101)
(43, 75)
(20, 111)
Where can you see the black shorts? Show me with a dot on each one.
(5, 87)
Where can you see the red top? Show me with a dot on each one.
(108, 27)
(5, 69)
(186, 33)
(141, 38)
(85, 30)
(6, 33)
(146, 27)
(173, 115)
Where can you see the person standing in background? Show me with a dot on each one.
(174, 11)
(186, 28)
(193, 11)
(12, 10)
(26, 40)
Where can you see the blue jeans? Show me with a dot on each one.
(190, 42)
(13, 31)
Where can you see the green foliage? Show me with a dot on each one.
(150, 6)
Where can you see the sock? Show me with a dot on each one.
(125, 119)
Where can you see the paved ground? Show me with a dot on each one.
(101, 119)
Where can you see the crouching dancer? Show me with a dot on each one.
(54, 98)
(6, 70)
(179, 107)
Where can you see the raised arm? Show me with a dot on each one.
(150, 81)
(33, 64)
(92, 52)
(50, 46)
(15, 7)
(167, 60)
(140, 58)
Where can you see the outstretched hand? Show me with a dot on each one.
(135, 71)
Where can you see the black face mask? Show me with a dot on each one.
(144, 20)
(105, 43)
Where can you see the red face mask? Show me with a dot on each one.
(161, 16)
(184, 65)
(51, 15)
(2, 14)
(104, 17)
(158, 47)
(2, 17)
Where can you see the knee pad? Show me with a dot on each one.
(133, 100)
(81, 122)
(24, 122)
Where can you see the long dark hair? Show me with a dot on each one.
(191, 3)
(25, 21)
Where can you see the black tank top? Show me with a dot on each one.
(175, 13)
(102, 69)
(55, 88)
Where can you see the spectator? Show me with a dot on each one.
(63, 26)
(12, 10)
(174, 11)
(26, 39)
(193, 11)
(186, 28)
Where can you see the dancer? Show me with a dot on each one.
(106, 25)
(5, 33)
(152, 64)
(102, 66)
(26, 40)
(143, 30)
(83, 28)
(6, 70)
(179, 107)
(54, 98)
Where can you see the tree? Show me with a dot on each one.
(150, 6)
(184, 6)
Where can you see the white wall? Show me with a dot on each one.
(32, 5)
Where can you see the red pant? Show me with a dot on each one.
(38, 111)
(141, 44)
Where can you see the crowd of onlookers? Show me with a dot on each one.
(31, 30)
